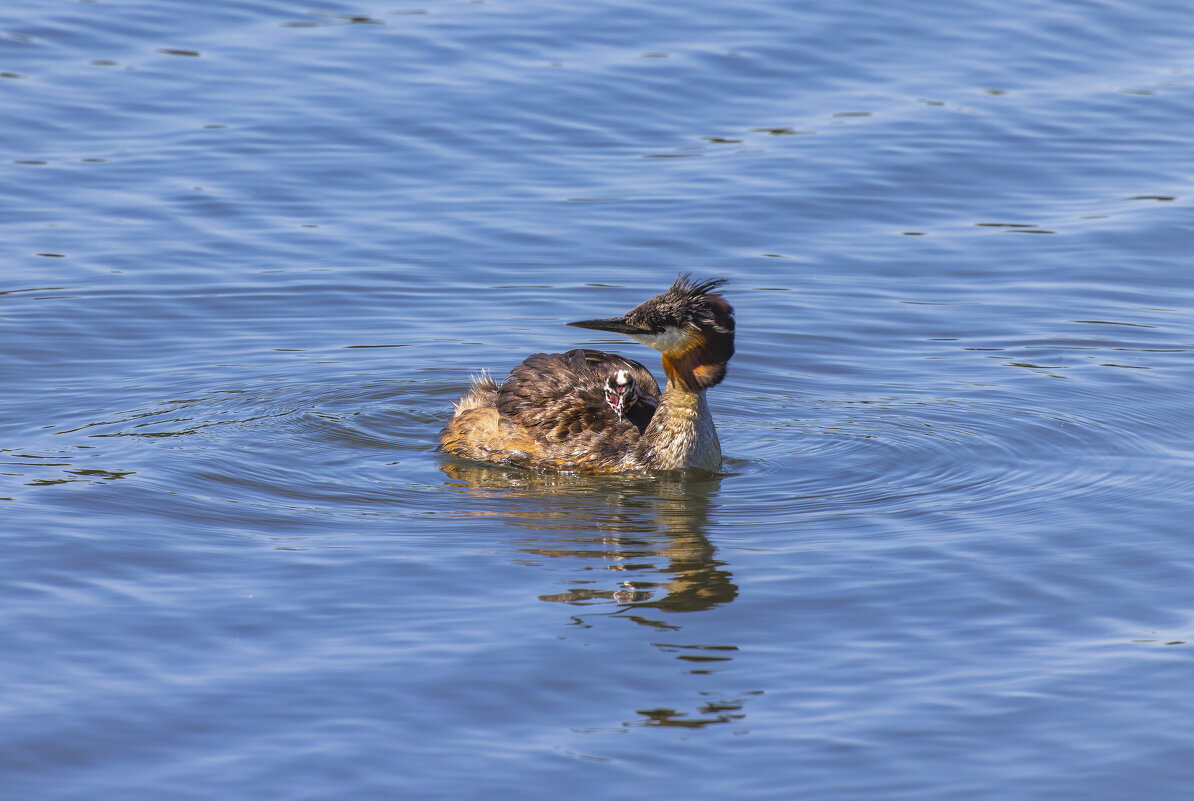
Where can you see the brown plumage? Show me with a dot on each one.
(595, 412)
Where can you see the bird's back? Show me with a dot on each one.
(551, 413)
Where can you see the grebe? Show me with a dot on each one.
(593, 412)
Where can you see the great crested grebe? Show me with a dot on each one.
(593, 412)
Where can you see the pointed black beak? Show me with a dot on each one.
(616, 324)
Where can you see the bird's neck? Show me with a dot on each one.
(681, 434)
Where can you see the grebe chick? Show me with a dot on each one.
(594, 412)
(620, 391)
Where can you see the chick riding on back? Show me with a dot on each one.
(594, 412)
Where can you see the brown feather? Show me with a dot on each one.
(550, 413)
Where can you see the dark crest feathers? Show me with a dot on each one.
(685, 286)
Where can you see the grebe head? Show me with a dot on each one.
(690, 324)
(621, 391)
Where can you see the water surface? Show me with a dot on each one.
(255, 249)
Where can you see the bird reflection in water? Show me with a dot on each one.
(643, 541)
(639, 527)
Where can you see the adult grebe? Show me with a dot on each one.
(594, 412)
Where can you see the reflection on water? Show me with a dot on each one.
(648, 531)
(641, 544)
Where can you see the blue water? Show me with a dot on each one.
(255, 248)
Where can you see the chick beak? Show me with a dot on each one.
(617, 401)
